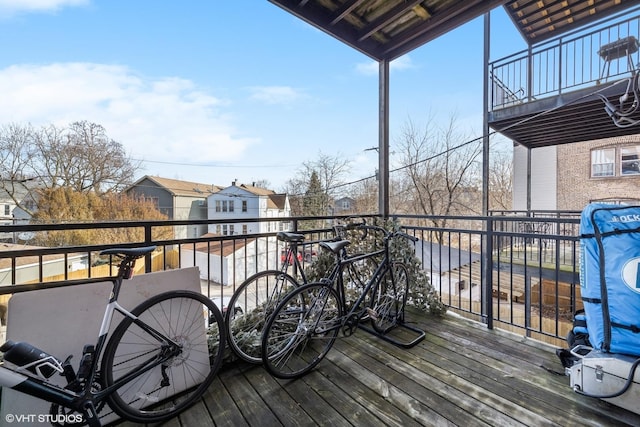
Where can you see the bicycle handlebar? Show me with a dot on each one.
(387, 235)
(405, 235)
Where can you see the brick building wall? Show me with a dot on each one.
(576, 186)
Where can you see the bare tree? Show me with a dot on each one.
(16, 155)
(440, 172)
(365, 194)
(500, 181)
(84, 158)
(81, 157)
(330, 171)
(295, 188)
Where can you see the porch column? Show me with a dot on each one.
(383, 139)
(487, 264)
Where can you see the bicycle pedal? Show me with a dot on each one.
(372, 313)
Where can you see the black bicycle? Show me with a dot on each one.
(257, 297)
(307, 321)
(158, 360)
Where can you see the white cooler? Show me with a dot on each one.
(605, 376)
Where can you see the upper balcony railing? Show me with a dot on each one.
(515, 271)
(599, 53)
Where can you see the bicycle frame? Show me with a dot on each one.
(86, 399)
(352, 318)
(291, 254)
(356, 313)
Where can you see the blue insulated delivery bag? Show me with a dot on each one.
(610, 277)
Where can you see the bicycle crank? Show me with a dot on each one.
(350, 325)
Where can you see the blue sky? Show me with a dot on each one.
(211, 90)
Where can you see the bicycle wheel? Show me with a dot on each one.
(250, 306)
(161, 392)
(389, 298)
(301, 331)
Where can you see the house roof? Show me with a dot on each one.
(20, 189)
(181, 188)
(387, 29)
(224, 247)
(258, 191)
(278, 201)
(274, 200)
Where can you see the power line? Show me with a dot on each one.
(520, 122)
(213, 165)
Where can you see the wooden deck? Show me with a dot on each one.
(461, 374)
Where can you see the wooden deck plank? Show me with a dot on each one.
(451, 393)
(248, 400)
(221, 403)
(513, 383)
(278, 399)
(394, 388)
(376, 405)
(460, 374)
(530, 363)
(327, 382)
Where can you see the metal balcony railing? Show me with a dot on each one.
(514, 271)
(594, 55)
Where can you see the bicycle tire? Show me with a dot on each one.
(389, 298)
(187, 317)
(248, 309)
(301, 331)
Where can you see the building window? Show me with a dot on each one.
(218, 229)
(603, 162)
(224, 205)
(244, 206)
(231, 230)
(346, 205)
(244, 229)
(224, 230)
(7, 209)
(630, 160)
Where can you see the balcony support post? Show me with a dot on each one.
(487, 297)
(383, 139)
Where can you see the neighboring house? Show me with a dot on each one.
(544, 178)
(228, 262)
(177, 199)
(242, 201)
(569, 176)
(344, 206)
(11, 213)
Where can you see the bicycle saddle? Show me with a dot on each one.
(129, 252)
(335, 247)
(290, 237)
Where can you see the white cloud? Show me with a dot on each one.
(8, 7)
(275, 94)
(166, 119)
(371, 68)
